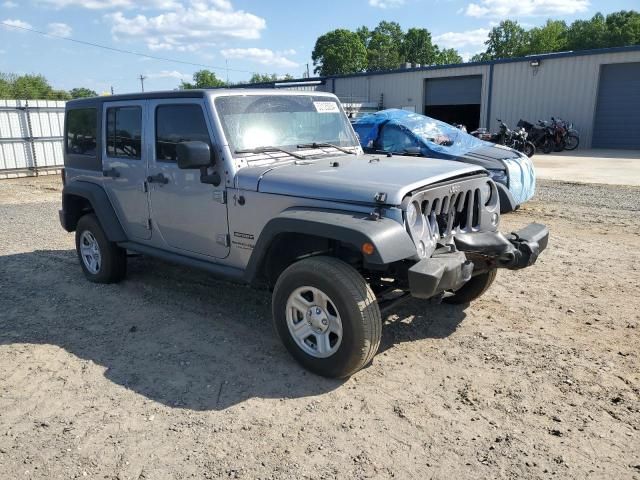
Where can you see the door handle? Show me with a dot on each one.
(158, 178)
(112, 172)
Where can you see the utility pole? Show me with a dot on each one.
(227, 63)
(112, 90)
(142, 79)
(308, 76)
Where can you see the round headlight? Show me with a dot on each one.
(422, 249)
(412, 214)
(485, 191)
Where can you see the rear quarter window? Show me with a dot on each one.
(81, 127)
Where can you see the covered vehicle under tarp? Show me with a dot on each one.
(404, 132)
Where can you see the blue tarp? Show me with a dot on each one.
(437, 137)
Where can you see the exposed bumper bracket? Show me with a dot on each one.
(449, 271)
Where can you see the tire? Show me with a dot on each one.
(571, 142)
(348, 298)
(473, 289)
(558, 146)
(529, 149)
(547, 146)
(111, 266)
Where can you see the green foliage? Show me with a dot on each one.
(509, 39)
(203, 79)
(417, 47)
(339, 51)
(386, 47)
(266, 78)
(82, 92)
(384, 51)
(623, 28)
(551, 37)
(29, 87)
(447, 56)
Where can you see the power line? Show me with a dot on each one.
(121, 50)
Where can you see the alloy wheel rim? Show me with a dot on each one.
(314, 322)
(90, 252)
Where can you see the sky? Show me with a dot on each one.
(233, 38)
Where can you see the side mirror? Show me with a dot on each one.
(193, 155)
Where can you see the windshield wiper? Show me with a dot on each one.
(322, 145)
(271, 149)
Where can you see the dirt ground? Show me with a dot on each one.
(173, 374)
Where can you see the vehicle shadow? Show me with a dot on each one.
(174, 335)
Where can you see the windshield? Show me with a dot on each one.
(285, 121)
(440, 136)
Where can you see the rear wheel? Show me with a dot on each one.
(102, 261)
(547, 146)
(571, 142)
(473, 289)
(529, 149)
(327, 316)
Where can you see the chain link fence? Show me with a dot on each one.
(31, 137)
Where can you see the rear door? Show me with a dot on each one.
(191, 216)
(125, 164)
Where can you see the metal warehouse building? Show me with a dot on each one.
(597, 90)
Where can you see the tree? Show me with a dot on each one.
(263, 78)
(418, 47)
(82, 92)
(507, 40)
(29, 87)
(384, 48)
(587, 34)
(203, 79)
(551, 37)
(622, 28)
(339, 51)
(447, 56)
(365, 35)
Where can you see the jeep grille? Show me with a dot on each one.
(470, 205)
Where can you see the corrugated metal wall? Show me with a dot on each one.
(565, 87)
(31, 134)
(562, 87)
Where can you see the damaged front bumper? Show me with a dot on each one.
(475, 253)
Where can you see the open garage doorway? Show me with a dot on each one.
(454, 100)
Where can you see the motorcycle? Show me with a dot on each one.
(555, 135)
(516, 139)
(567, 137)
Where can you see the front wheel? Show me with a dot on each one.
(571, 142)
(327, 316)
(529, 149)
(473, 289)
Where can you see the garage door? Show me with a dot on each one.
(454, 99)
(617, 121)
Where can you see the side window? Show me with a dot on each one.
(394, 139)
(81, 126)
(124, 132)
(178, 123)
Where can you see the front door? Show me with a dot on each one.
(125, 164)
(190, 216)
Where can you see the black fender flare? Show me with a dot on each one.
(507, 202)
(99, 200)
(389, 238)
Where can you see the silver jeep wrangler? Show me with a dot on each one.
(271, 188)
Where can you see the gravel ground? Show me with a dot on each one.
(173, 374)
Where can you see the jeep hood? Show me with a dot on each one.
(354, 179)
